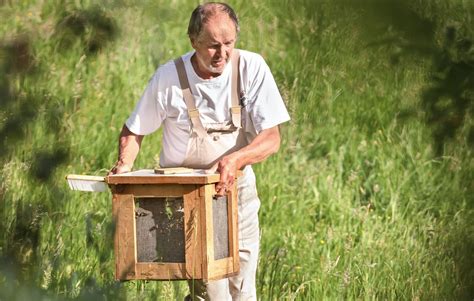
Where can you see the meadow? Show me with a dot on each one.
(369, 198)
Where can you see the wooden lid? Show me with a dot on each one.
(148, 176)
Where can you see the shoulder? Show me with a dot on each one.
(249, 58)
(253, 68)
(166, 74)
(166, 70)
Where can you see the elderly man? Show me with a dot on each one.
(220, 109)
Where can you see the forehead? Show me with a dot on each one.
(218, 28)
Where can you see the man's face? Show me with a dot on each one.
(214, 46)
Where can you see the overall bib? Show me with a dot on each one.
(207, 144)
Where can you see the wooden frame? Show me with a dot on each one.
(197, 191)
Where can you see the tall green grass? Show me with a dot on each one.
(356, 205)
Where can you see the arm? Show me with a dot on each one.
(129, 146)
(266, 143)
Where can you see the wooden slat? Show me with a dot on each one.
(153, 178)
(160, 271)
(207, 238)
(209, 191)
(115, 217)
(192, 230)
(123, 207)
(173, 170)
(148, 176)
(157, 190)
(233, 217)
(221, 268)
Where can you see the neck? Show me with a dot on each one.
(201, 71)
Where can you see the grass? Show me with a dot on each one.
(357, 204)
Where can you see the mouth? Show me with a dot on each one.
(218, 63)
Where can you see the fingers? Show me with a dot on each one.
(119, 168)
(227, 170)
(221, 191)
(223, 188)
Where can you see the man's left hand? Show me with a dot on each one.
(265, 143)
(227, 167)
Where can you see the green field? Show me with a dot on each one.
(369, 198)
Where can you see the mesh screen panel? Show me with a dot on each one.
(160, 229)
(221, 228)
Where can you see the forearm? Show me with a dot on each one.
(265, 144)
(129, 146)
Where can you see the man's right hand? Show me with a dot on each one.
(120, 167)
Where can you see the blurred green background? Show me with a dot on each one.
(369, 198)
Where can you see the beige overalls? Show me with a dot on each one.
(207, 144)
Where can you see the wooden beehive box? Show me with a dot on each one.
(171, 227)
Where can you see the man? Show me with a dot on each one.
(220, 109)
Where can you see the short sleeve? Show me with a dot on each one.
(266, 107)
(149, 112)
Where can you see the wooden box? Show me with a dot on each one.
(170, 227)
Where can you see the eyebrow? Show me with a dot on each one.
(218, 43)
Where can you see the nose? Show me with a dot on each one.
(221, 51)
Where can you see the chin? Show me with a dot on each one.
(216, 70)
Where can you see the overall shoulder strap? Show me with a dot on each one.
(235, 109)
(193, 112)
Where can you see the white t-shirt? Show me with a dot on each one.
(162, 103)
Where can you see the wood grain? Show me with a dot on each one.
(233, 216)
(221, 268)
(160, 271)
(173, 170)
(157, 190)
(123, 207)
(193, 230)
(149, 177)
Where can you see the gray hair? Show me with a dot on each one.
(203, 12)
